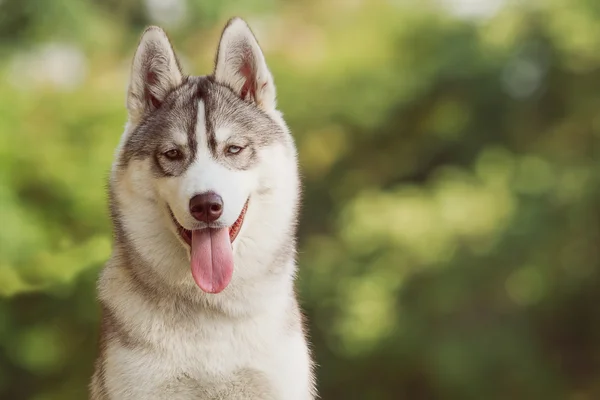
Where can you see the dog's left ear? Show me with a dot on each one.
(241, 65)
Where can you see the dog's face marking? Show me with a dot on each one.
(201, 134)
(203, 138)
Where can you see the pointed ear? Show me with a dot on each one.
(241, 65)
(155, 73)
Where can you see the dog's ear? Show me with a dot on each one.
(241, 65)
(155, 72)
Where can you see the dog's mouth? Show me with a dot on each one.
(234, 229)
(211, 252)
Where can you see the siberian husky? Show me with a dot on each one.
(198, 296)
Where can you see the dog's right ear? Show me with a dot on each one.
(154, 74)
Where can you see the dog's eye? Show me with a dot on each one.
(234, 149)
(173, 154)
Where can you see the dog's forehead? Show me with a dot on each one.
(220, 103)
(222, 113)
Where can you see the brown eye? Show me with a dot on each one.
(234, 149)
(173, 154)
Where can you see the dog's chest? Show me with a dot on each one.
(191, 359)
(168, 351)
(214, 345)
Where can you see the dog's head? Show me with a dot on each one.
(200, 154)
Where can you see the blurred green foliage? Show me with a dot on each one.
(451, 223)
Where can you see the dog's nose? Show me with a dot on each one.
(206, 207)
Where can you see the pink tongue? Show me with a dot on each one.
(212, 259)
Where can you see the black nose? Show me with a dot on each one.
(206, 207)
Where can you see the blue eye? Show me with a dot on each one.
(234, 149)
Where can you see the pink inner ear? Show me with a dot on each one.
(151, 79)
(249, 74)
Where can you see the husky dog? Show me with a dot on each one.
(198, 296)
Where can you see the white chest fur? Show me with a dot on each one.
(179, 354)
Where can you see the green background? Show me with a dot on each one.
(450, 233)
